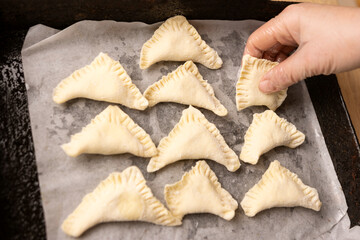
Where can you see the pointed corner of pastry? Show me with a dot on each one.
(191, 66)
(70, 228)
(144, 63)
(275, 164)
(248, 157)
(151, 167)
(233, 160)
(191, 113)
(192, 110)
(176, 222)
(280, 98)
(248, 209)
(313, 200)
(152, 151)
(154, 164)
(246, 58)
(70, 150)
(228, 215)
(57, 96)
(172, 220)
(234, 165)
(132, 170)
(143, 104)
(178, 18)
(239, 105)
(201, 165)
(103, 55)
(296, 139)
(60, 93)
(214, 62)
(148, 95)
(221, 111)
(201, 168)
(218, 63)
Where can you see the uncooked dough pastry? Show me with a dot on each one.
(177, 40)
(194, 137)
(120, 197)
(103, 80)
(266, 132)
(185, 85)
(247, 87)
(199, 192)
(111, 132)
(279, 187)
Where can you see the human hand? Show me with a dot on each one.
(326, 39)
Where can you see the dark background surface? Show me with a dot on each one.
(21, 210)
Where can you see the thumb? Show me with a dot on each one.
(287, 73)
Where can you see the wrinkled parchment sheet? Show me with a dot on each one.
(50, 55)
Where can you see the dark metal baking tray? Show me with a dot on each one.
(21, 210)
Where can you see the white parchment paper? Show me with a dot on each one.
(50, 55)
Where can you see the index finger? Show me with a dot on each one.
(279, 30)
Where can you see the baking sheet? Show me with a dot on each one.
(50, 55)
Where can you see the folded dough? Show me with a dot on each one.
(266, 132)
(194, 138)
(103, 80)
(279, 187)
(199, 191)
(185, 85)
(247, 87)
(177, 40)
(120, 197)
(111, 132)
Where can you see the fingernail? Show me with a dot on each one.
(266, 86)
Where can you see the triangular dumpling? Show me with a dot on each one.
(185, 85)
(266, 132)
(111, 132)
(194, 137)
(279, 187)
(103, 80)
(247, 87)
(199, 191)
(177, 40)
(120, 197)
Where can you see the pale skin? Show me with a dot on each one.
(307, 40)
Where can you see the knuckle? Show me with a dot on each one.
(293, 8)
(285, 77)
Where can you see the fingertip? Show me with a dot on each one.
(252, 51)
(266, 86)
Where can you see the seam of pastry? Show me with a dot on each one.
(113, 114)
(192, 114)
(114, 181)
(114, 66)
(176, 23)
(297, 137)
(242, 89)
(190, 67)
(311, 194)
(201, 168)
